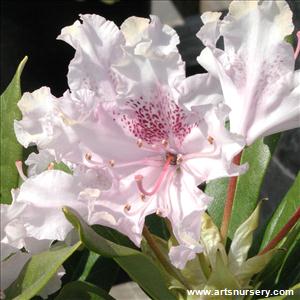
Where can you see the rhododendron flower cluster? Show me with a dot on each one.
(134, 149)
(138, 136)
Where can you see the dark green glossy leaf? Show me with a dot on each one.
(38, 271)
(269, 278)
(114, 236)
(157, 225)
(11, 150)
(287, 207)
(91, 267)
(138, 266)
(79, 290)
(248, 187)
(290, 272)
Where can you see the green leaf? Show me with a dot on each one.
(242, 240)
(285, 210)
(114, 236)
(157, 226)
(89, 266)
(38, 271)
(11, 150)
(248, 187)
(211, 239)
(62, 167)
(253, 266)
(218, 190)
(221, 277)
(290, 271)
(79, 290)
(138, 266)
(268, 278)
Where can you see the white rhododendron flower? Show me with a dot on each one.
(14, 238)
(139, 135)
(256, 67)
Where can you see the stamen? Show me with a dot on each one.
(200, 154)
(127, 207)
(160, 213)
(297, 51)
(19, 166)
(51, 166)
(111, 162)
(165, 143)
(139, 142)
(154, 161)
(179, 159)
(139, 179)
(143, 197)
(88, 156)
(210, 139)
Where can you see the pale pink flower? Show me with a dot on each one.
(14, 238)
(126, 115)
(256, 67)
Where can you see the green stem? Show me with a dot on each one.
(161, 257)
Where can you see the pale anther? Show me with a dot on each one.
(139, 143)
(111, 162)
(88, 156)
(165, 143)
(179, 159)
(210, 139)
(127, 207)
(51, 166)
(159, 212)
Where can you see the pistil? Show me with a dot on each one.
(139, 178)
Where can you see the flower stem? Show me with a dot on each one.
(229, 200)
(161, 257)
(282, 233)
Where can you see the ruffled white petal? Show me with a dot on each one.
(256, 68)
(44, 196)
(98, 45)
(36, 126)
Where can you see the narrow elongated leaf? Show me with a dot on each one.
(242, 240)
(253, 266)
(248, 187)
(221, 277)
(38, 271)
(268, 278)
(79, 290)
(290, 270)
(11, 150)
(93, 268)
(114, 236)
(138, 266)
(285, 210)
